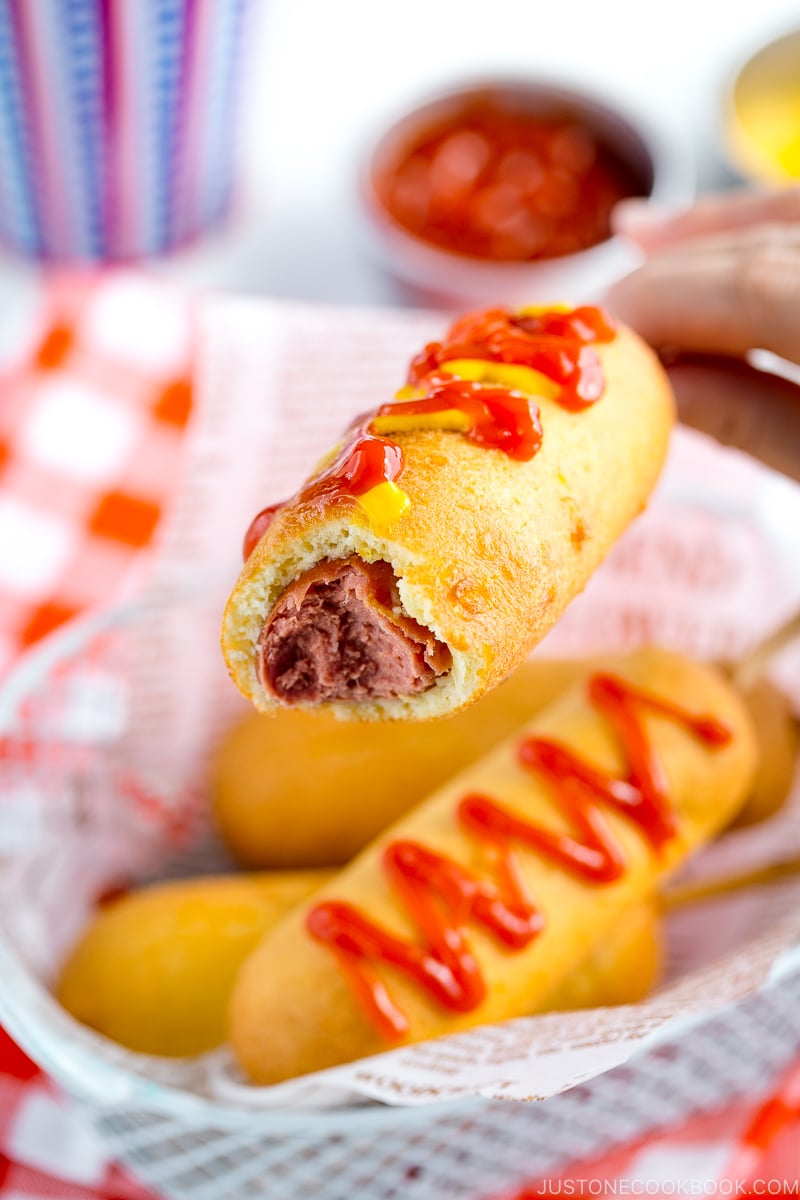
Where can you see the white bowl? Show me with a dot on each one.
(454, 279)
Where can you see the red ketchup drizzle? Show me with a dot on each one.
(258, 527)
(364, 463)
(499, 417)
(369, 461)
(441, 896)
(554, 343)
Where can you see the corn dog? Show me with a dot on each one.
(298, 789)
(477, 905)
(778, 741)
(622, 969)
(154, 969)
(452, 527)
(302, 789)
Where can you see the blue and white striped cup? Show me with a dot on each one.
(117, 123)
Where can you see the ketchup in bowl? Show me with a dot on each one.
(491, 180)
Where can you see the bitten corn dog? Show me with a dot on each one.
(274, 809)
(480, 903)
(450, 529)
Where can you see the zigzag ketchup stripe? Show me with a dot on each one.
(441, 896)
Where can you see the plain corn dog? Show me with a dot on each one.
(296, 789)
(155, 967)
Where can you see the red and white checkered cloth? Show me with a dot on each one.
(93, 403)
(95, 392)
(749, 1148)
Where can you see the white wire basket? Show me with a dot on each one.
(101, 782)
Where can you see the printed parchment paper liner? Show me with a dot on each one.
(108, 727)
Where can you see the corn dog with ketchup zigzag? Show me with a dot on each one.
(480, 903)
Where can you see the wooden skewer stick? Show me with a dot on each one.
(680, 894)
(753, 665)
(745, 673)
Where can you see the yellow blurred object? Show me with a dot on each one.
(622, 969)
(522, 379)
(302, 789)
(384, 504)
(155, 968)
(536, 310)
(763, 114)
(298, 788)
(779, 739)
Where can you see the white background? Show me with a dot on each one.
(330, 73)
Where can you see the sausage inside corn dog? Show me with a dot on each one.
(476, 906)
(451, 528)
(302, 789)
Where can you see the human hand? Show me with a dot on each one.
(719, 282)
